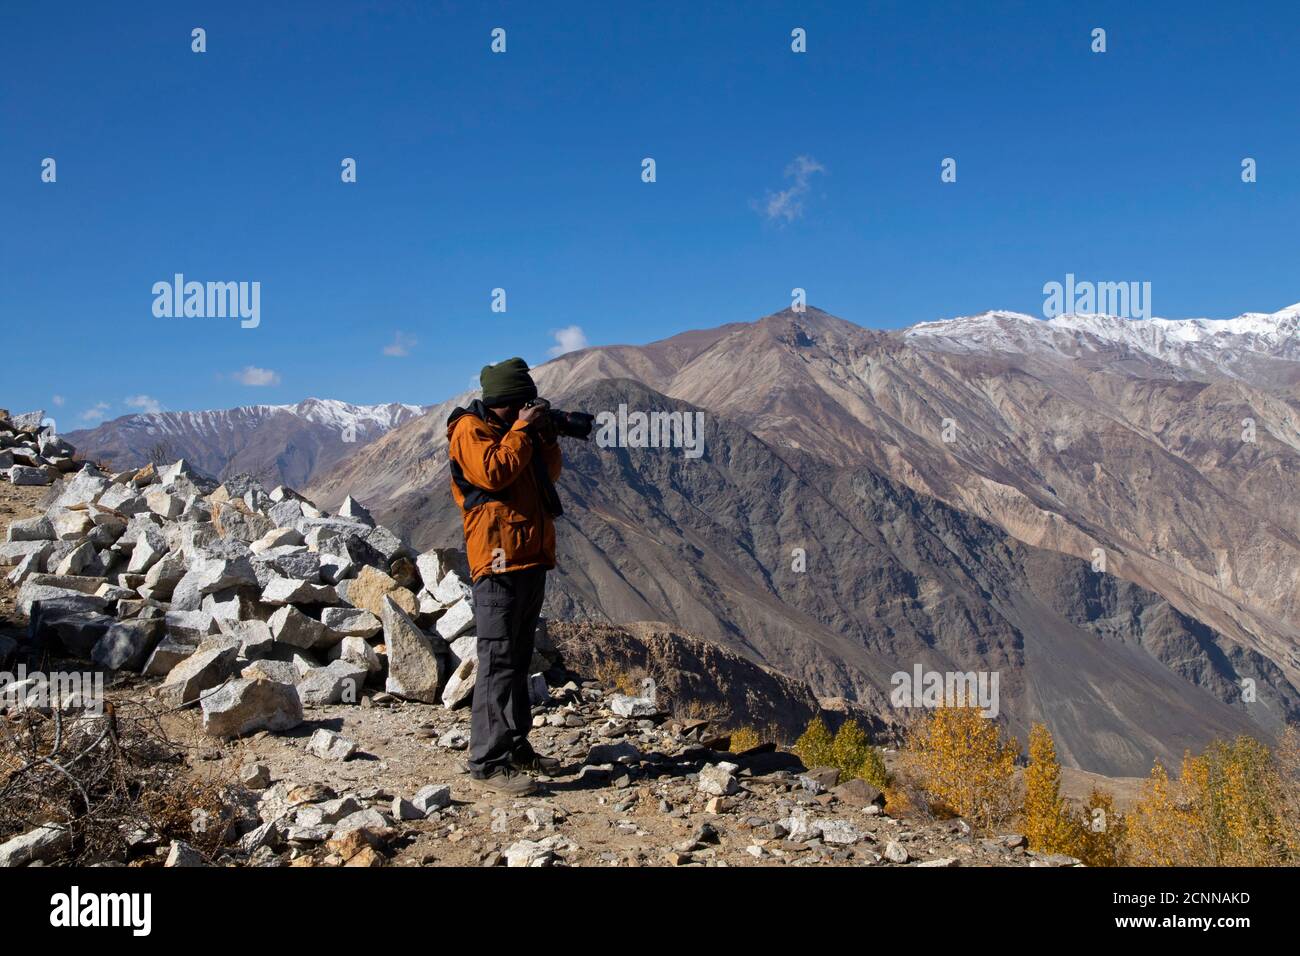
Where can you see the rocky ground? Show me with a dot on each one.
(315, 672)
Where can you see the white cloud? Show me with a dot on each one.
(568, 339)
(787, 205)
(58, 401)
(144, 403)
(252, 375)
(96, 413)
(401, 345)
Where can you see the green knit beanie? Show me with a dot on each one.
(507, 383)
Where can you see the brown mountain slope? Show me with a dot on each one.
(1102, 449)
(894, 580)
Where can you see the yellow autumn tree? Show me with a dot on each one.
(1234, 805)
(963, 765)
(853, 755)
(1160, 829)
(1102, 834)
(1237, 797)
(1287, 756)
(814, 746)
(1049, 825)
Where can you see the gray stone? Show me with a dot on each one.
(331, 746)
(527, 853)
(895, 852)
(166, 656)
(281, 591)
(718, 780)
(290, 626)
(455, 739)
(355, 650)
(125, 500)
(433, 797)
(15, 552)
(70, 525)
(338, 683)
(405, 810)
(255, 776)
(353, 510)
(39, 845)
(68, 623)
(622, 752)
(283, 672)
(164, 504)
(840, 832)
(206, 575)
(26, 567)
(203, 670)
(276, 538)
(414, 670)
(37, 528)
(150, 547)
(458, 619)
(389, 545)
(81, 559)
(254, 637)
(351, 621)
(244, 706)
(460, 685)
(230, 605)
(182, 854)
(26, 475)
(164, 575)
(127, 645)
(297, 564)
(625, 706)
(190, 627)
(82, 489)
(327, 812)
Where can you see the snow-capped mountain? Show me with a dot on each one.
(280, 443)
(1249, 346)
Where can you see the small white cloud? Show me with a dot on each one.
(401, 345)
(58, 401)
(568, 339)
(144, 403)
(96, 413)
(787, 205)
(252, 375)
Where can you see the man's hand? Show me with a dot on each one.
(532, 415)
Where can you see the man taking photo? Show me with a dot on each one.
(505, 459)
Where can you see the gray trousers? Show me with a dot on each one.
(506, 608)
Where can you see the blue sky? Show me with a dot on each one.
(523, 171)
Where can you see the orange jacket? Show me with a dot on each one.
(508, 526)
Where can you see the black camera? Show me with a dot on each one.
(570, 424)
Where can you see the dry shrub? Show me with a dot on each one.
(104, 777)
(744, 738)
(622, 679)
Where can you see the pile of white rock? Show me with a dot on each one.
(253, 603)
(30, 452)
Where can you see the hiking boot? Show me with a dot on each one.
(533, 762)
(508, 782)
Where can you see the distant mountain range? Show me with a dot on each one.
(1254, 347)
(953, 486)
(279, 444)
